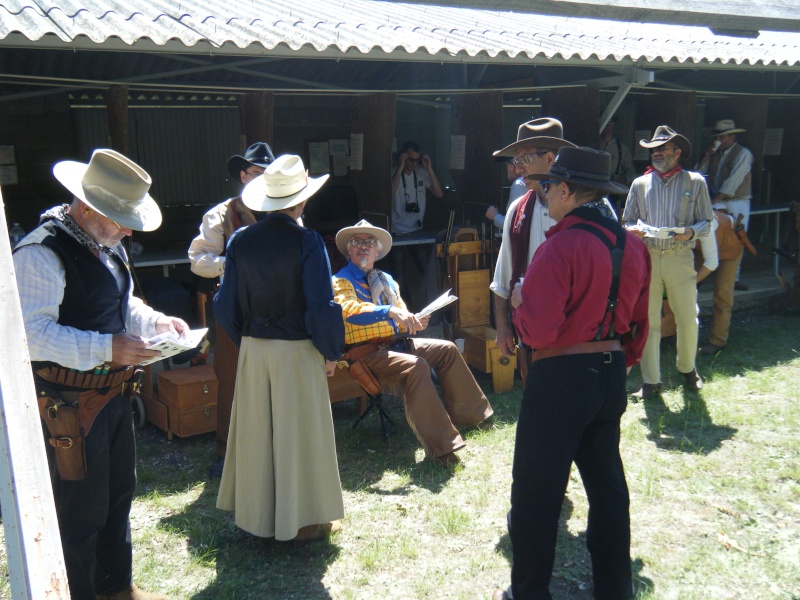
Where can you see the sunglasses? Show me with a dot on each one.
(662, 148)
(546, 183)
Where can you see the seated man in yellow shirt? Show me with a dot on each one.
(374, 313)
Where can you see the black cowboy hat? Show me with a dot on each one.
(258, 155)
(586, 167)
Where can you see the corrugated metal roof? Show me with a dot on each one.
(374, 29)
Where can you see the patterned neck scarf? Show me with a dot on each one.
(379, 284)
(603, 207)
(59, 213)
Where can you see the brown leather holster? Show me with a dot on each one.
(69, 415)
(359, 371)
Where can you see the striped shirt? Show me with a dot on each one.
(660, 203)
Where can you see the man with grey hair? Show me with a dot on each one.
(669, 209)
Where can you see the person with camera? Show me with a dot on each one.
(413, 178)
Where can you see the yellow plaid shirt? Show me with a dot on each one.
(372, 322)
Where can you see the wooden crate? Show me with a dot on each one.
(481, 352)
(342, 387)
(186, 403)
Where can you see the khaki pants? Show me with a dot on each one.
(724, 280)
(672, 270)
(433, 420)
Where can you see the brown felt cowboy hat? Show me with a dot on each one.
(365, 227)
(586, 167)
(724, 127)
(284, 183)
(114, 186)
(258, 155)
(539, 133)
(664, 134)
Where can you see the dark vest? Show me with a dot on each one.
(92, 301)
(718, 181)
(269, 265)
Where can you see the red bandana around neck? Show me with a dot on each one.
(670, 173)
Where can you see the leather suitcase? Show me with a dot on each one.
(189, 398)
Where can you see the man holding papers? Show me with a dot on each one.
(84, 329)
(378, 330)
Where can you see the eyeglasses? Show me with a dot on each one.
(413, 160)
(662, 148)
(546, 183)
(527, 159)
(365, 243)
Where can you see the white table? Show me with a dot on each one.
(165, 260)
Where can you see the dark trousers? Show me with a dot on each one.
(570, 412)
(93, 513)
(419, 286)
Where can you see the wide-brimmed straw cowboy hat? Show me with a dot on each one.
(364, 226)
(114, 186)
(284, 183)
(258, 154)
(725, 126)
(539, 133)
(586, 167)
(664, 134)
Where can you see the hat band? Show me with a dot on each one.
(566, 173)
(278, 189)
(116, 202)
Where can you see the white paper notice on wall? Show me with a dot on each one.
(8, 175)
(356, 151)
(458, 149)
(7, 156)
(773, 141)
(640, 153)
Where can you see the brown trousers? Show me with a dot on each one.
(433, 420)
(226, 357)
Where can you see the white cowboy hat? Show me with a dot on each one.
(285, 183)
(724, 127)
(363, 226)
(114, 186)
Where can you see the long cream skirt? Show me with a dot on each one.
(280, 472)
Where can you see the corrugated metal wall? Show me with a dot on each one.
(184, 149)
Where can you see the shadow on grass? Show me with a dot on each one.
(688, 430)
(248, 566)
(572, 569)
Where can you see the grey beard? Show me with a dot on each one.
(363, 262)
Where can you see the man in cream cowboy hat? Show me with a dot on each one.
(207, 258)
(664, 197)
(374, 313)
(85, 328)
(527, 218)
(727, 166)
(275, 301)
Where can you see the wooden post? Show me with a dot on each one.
(117, 111)
(374, 117)
(33, 544)
(256, 111)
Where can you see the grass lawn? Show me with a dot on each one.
(714, 481)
